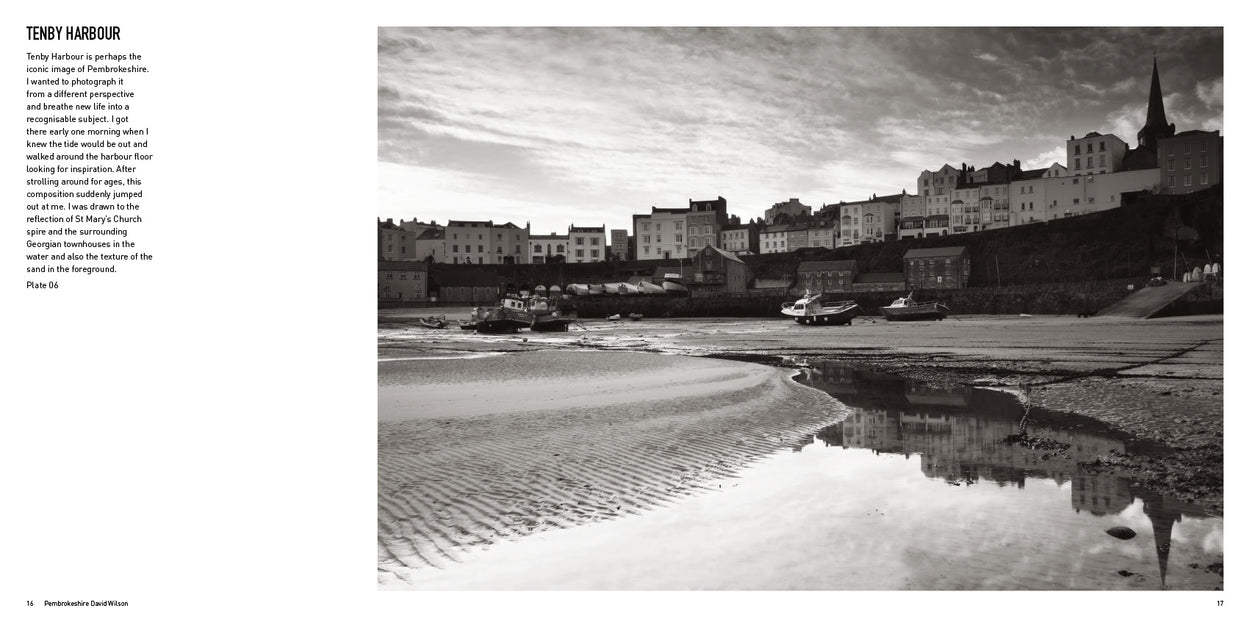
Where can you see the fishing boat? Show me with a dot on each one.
(908, 309)
(812, 309)
(549, 314)
(494, 320)
(540, 314)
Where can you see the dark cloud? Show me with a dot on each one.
(602, 109)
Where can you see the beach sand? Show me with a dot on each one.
(472, 451)
(486, 439)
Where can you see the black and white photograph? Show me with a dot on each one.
(800, 308)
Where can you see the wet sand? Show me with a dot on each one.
(475, 451)
(540, 431)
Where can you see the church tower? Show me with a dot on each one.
(1157, 126)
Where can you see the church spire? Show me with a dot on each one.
(1157, 126)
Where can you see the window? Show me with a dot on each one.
(1203, 179)
(594, 240)
(579, 253)
(1202, 162)
(479, 237)
(581, 241)
(679, 238)
(1076, 200)
(646, 227)
(1102, 146)
(499, 236)
(537, 248)
(1189, 180)
(499, 249)
(1171, 181)
(658, 239)
(1089, 162)
(479, 249)
(560, 248)
(1102, 160)
(403, 276)
(390, 276)
(455, 249)
(388, 248)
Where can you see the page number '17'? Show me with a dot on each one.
(1219, 602)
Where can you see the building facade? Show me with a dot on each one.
(485, 243)
(937, 268)
(740, 239)
(619, 246)
(1095, 154)
(868, 221)
(826, 276)
(938, 182)
(661, 234)
(546, 248)
(395, 243)
(793, 208)
(402, 280)
(704, 222)
(1190, 161)
(823, 233)
(429, 246)
(587, 244)
(774, 239)
(716, 272)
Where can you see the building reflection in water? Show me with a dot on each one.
(959, 434)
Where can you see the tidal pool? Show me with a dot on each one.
(915, 489)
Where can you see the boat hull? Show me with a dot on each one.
(833, 317)
(552, 322)
(810, 311)
(924, 312)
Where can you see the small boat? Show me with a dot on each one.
(635, 316)
(495, 321)
(616, 317)
(673, 286)
(908, 309)
(650, 288)
(812, 309)
(436, 322)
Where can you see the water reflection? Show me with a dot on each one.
(960, 435)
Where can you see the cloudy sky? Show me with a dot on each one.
(587, 126)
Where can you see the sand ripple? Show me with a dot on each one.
(557, 439)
